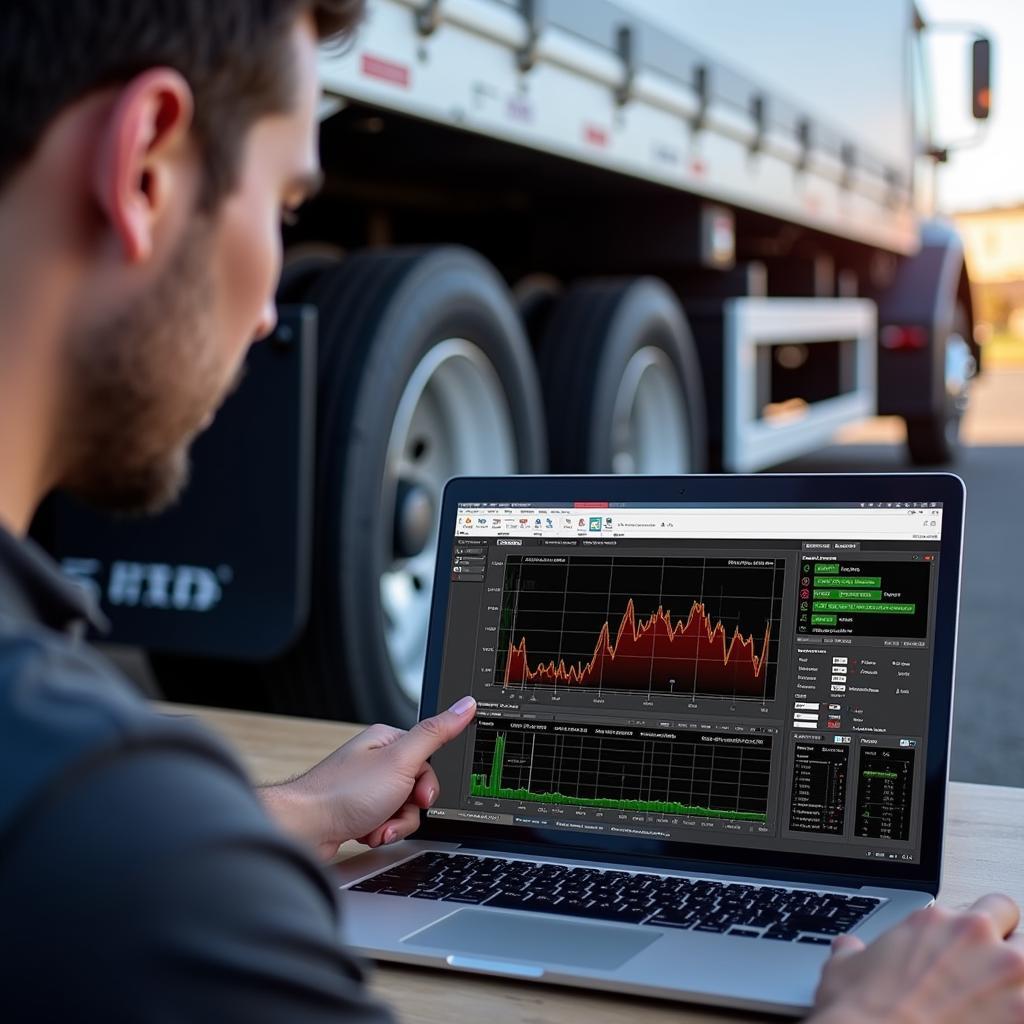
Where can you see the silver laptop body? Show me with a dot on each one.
(837, 685)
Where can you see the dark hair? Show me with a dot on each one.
(233, 53)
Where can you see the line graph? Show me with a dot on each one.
(654, 649)
(607, 623)
(681, 772)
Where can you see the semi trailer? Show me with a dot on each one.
(582, 236)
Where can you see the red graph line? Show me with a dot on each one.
(655, 653)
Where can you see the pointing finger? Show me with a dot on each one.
(427, 737)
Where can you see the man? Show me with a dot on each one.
(147, 154)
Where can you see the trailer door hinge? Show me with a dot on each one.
(702, 87)
(627, 54)
(848, 156)
(806, 138)
(428, 17)
(526, 56)
(759, 112)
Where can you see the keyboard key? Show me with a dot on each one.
(573, 908)
(674, 918)
(631, 915)
(808, 923)
(510, 901)
(665, 922)
(542, 902)
(370, 885)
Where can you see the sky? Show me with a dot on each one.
(991, 173)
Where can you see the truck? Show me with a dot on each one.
(581, 236)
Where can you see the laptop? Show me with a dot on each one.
(712, 732)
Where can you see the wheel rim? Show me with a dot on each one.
(650, 428)
(453, 419)
(960, 367)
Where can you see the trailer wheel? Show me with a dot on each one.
(425, 374)
(935, 439)
(303, 264)
(536, 297)
(622, 381)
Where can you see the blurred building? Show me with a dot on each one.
(994, 243)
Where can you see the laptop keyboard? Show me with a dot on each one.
(753, 911)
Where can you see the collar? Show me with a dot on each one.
(33, 589)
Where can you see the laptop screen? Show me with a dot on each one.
(742, 675)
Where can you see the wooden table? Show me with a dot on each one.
(984, 847)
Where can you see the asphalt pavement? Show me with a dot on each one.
(988, 718)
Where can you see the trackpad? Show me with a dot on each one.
(519, 937)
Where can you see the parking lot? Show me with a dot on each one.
(988, 723)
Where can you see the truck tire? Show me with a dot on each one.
(303, 264)
(935, 439)
(536, 297)
(622, 381)
(425, 373)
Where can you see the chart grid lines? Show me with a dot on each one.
(680, 773)
(654, 611)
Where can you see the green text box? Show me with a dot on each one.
(865, 607)
(848, 581)
(826, 567)
(847, 595)
(820, 619)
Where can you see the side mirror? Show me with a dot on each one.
(981, 78)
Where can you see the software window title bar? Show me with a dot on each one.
(682, 505)
(848, 522)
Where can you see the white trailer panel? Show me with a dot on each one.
(846, 65)
(645, 117)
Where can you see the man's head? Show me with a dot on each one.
(147, 154)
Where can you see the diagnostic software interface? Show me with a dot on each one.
(751, 676)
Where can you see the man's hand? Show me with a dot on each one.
(937, 966)
(371, 788)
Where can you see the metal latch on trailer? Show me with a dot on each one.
(766, 420)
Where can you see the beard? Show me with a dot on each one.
(143, 385)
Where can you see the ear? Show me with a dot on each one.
(137, 172)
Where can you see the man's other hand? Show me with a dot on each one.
(371, 788)
(937, 966)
